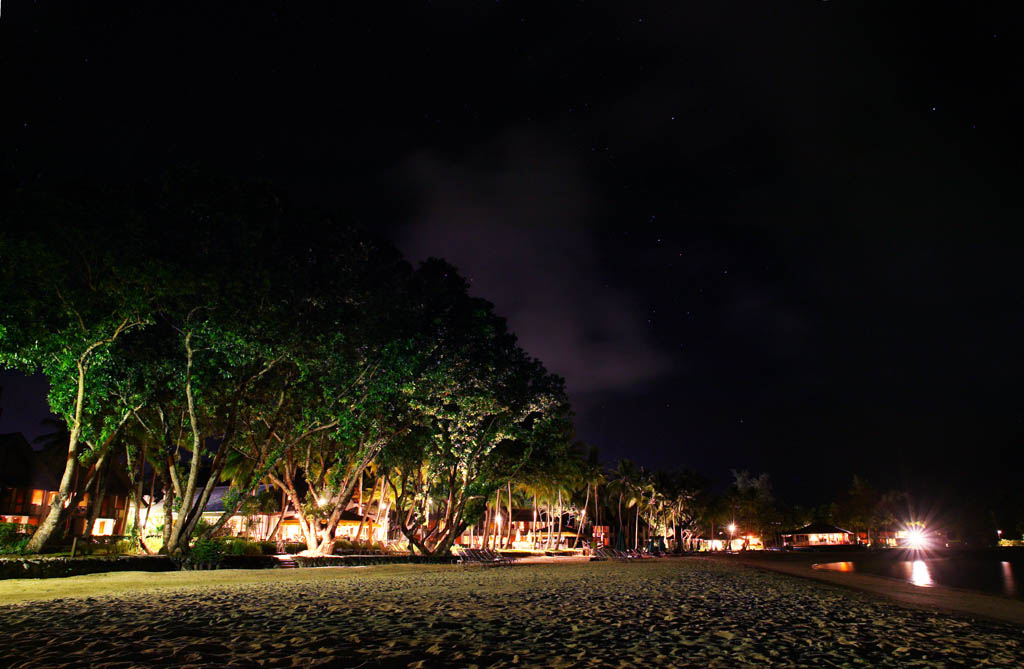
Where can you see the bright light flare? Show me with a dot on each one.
(732, 527)
(916, 539)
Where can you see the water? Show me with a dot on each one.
(983, 573)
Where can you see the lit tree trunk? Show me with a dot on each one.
(497, 515)
(621, 531)
(533, 530)
(511, 527)
(583, 518)
(636, 529)
(362, 509)
(558, 544)
(56, 515)
(99, 490)
(137, 494)
(149, 507)
(550, 528)
(485, 530)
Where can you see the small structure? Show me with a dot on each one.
(818, 535)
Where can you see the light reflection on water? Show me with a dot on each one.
(1009, 585)
(995, 577)
(919, 574)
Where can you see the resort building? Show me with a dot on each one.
(529, 530)
(818, 535)
(272, 524)
(28, 485)
(746, 542)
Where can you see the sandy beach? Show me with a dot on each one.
(670, 612)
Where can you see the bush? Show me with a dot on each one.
(241, 546)
(205, 554)
(14, 537)
(294, 547)
(15, 547)
(267, 547)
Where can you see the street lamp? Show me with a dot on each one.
(732, 530)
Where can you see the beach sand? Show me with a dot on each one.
(667, 612)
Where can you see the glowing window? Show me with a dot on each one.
(103, 527)
(37, 497)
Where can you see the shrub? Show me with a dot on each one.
(125, 546)
(294, 547)
(241, 546)
(14, 537)
(267, 547)
(15, 546)
(206, 554)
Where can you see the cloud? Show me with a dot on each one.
(511, 217)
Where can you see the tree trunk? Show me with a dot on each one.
(621, 531)
(56, 515)
(558, 544)
(636, 529)
(99, 490)
(583, 519)
(272, 530)
(533, 530)
(511, 527)
(362, 511)
(551, 533)
(497, 518)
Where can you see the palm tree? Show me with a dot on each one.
(624, 481)
(589, 476)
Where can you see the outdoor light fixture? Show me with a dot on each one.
(916, 539)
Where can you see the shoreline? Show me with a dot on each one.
(939, 598)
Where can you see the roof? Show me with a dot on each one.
(526, 515)
(21, 467)
(216, 502)
(820, 528)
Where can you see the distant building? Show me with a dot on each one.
(272, 525)
(28, 485)
(530, 529)
(818, 535)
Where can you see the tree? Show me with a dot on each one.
(752, 502)
(69, 296)
(484, 409)
(855, 508)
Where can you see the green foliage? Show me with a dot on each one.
(267, 547)
(205, 554)
(13, 538)
(241, 546)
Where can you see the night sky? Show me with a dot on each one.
(775, 236)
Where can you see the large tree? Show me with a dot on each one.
(71, 290)
(484, 408)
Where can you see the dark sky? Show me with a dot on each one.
(775, 236)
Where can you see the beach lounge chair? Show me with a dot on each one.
(495, 557)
